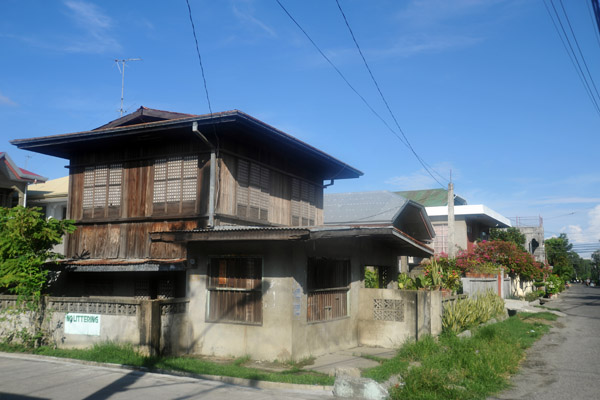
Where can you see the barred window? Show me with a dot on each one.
(102, 190)
(235, 290)
(328, 283)
(253, 191)
(175, 184)
(304, 203)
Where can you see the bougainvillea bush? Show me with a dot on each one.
(508, 255)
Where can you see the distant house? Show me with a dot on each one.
(50, 196)
(225, 213)
(14, 182)
(381, 208)
(472, 222)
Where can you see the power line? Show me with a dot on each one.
(564, 37)
(199, 57)
(407, 142)
(579, 48)
(339, 72)
(595, 17)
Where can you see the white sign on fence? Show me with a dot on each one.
(82, 324)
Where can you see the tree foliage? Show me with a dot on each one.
(499, 253)
(557, 255)
(26, 242)
(512, 235)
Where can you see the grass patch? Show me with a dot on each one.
(127, 355)
(462, 368)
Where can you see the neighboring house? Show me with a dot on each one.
(14, 181)
(51, 197)
(533, 229)
(381, 208)
(225, 212)
(472, 222)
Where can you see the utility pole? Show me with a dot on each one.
(122, 71)
(451, 239)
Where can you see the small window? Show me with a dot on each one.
(102, 190)
(175, 184)
(304, 205)
(328, 283)
(253, 191)
(235, 290)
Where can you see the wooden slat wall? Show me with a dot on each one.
(280, 188)
(126, 240)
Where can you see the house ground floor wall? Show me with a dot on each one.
(285, 332)
(286, 329)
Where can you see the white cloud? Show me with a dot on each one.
(5, 101)
(428, 12)
(247, 17)
(97, 27)
(588, 234)
(417, 44)
(421, 179)
(568, 200)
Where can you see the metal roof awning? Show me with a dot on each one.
(118, 265)
(387, 234)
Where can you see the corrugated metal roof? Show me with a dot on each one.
(362, 207)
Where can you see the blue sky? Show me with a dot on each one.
(482, 88)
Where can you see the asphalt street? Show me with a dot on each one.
(25, 377)
(565, 363)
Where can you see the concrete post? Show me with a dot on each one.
(451, 239)
(149, 325)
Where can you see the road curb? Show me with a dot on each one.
(225, 379)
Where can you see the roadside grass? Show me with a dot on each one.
(463, 368)
(444, 368)
(127, 355)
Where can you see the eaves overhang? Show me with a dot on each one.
(65, 145)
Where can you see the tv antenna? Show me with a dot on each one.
(122, 71)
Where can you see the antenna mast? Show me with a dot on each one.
(122, 71)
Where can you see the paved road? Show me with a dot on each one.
(565, 363)
(27, 377)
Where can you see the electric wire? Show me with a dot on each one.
(579, 49)
(407, 142)
(596, 12)
(595, 18)
(339, 72)
(571, 52)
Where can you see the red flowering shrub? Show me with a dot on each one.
(515, 260)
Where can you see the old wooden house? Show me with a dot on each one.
(226, 213)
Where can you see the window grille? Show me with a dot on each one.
(235, 290)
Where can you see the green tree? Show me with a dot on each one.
(26, 242)
(557, 254)
(581, 266)
(512, 235)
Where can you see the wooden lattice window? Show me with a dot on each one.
(328, 283)
(235, 290)
(304, 203)
(253, 183)
(175, 185)
(102, 190)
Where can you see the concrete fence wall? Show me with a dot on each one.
(75, 322)
(499, 285)
(388, 317)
